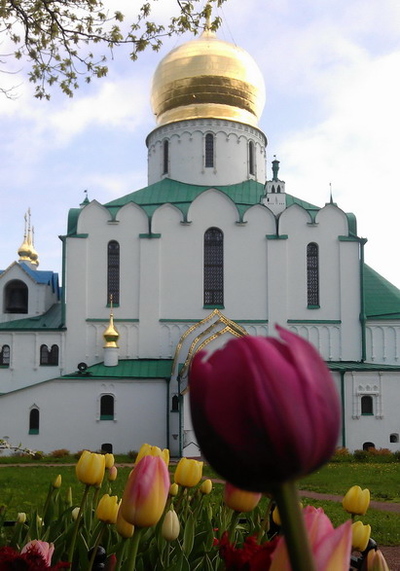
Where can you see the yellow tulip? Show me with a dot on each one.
(90, 468)
(170, 527)
(361, 534)
(107, 509)
(124, 528)
(57, 482)
(240, 500)
(206, 487)
(376, 561)
(188, 472)
(276, 518)
(148, 450)
(356, 501)
(173, 489)
(109, 460)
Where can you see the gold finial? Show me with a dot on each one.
(111, 335)
(25, 250)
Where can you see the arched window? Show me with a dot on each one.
(113, 272)
(367, 405)
(34, 421)
(16, 297)
(394, 437)
(49, 356)
(5, 356)
(165, 157)
(209, 151)
(106, 407)
(312, 275)
(252, 169)
(368, 445)
(213, 267)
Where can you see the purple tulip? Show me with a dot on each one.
(264, 410)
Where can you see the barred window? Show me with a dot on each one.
(107, 407)
(165, 157)
(213, 267)
(34, 421)
(113, 272)
(312, 275)
(251, 158)
(209, 150)
(49, 356)
(5, 356)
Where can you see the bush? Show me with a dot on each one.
(61, 453)
(342, 455)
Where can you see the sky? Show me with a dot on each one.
(332, 118)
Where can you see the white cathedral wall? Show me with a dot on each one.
(25, 368)
(70, 410)
(383, 342)
(384, 422)
(186, 152)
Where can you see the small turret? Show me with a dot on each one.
(111, 337)
(275, 197)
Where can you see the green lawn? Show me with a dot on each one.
(24, 488)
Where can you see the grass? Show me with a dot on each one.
(25, 488)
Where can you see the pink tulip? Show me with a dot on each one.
(264, 410)
(330, 547)
(146, 492)
(42, 547)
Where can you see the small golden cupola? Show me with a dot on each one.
(25, 250)
(208, 78)
(111, 337)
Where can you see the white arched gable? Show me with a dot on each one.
(262, 217)
(333, 219)
(166, 217)
(133, 216)
(91, 216)
(293, 218)
(212, 207)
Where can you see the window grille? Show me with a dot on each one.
(312, 275)
(213, 267)
(113, 271)
(367, 405)
(5, 356)
(209, 150)
(49, 356)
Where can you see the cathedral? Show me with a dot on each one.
(212, 248)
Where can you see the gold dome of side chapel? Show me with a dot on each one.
(208, 78)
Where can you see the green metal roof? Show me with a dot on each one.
(345, 366)
(167, 191)
(129, 369)
(382, 299)
(49, 321)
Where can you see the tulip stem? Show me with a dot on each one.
(77, 522)
(96, 545)
(293, 527)
(134, 549)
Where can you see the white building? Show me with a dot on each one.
(207, 251)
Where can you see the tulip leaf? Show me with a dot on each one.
(188, 535)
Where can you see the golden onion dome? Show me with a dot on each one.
(25, 251)
(111, 335)
(208, 78)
